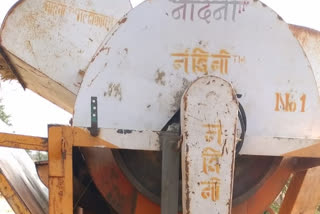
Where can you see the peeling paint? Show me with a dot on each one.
(114, 90)
(187, 203)
(124, 131)
(160, 75)
(123, 20)
(81, 73)
(94, 78)
(207, 153)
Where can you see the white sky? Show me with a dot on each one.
(30, 113)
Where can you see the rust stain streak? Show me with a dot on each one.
(114, 90)
(187, 179)
(94, 78)
(160, 77)
(224, 145)
(29, 46)
(107, 49)
(185, 101)
(123, 20)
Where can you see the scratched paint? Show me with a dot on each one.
(160, 77)
(207, 11)
(208, 146)
(53, 40)
(270, 61)
(114, 90)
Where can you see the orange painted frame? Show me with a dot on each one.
(61, 141)
(59, 146)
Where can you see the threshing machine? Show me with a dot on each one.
(179, 106)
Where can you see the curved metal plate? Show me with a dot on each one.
(309, 40)
(17, 166)
(139, 82)
(56, 39)
(143, 170)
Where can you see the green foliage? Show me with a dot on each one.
(3, 116)
(37, 155)
(275, 206)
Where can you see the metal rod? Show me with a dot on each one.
(170, 173)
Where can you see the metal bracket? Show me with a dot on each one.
(94, 131)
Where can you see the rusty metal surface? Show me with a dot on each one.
(143, 170)
(64, 198)
(110, 181)
(309, 40)
(42, 171)
(251, 172)
(19, 169)
(268, 190)
(301, 196)
(302, 164)
(113, 185)
(85, 193)
(260, 194)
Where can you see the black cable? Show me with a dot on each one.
(243, 124)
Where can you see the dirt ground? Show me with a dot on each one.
(4, 207)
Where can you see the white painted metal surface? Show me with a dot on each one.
(55, 39)
(209, 112)
(130, 139)
(139, 81)
(150, 140)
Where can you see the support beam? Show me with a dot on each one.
(23, 142)
(170, 173)
(302, 195)
(60, 170)
(61, 141)
(13, 199)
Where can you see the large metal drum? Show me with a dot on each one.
(69, 52)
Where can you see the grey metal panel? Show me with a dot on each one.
(170, 173)
(19, 169)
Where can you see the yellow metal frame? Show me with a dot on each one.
(13, 199)
(59, 146)
(23, 142)
(61, 141)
